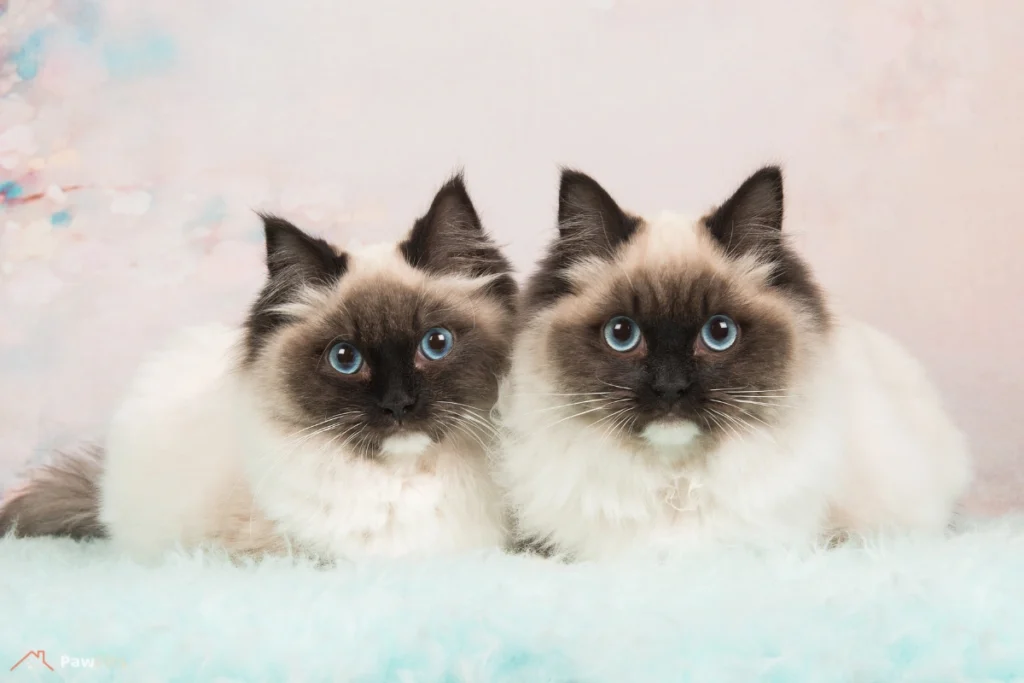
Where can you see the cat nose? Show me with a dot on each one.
(671, 389)
(398, 403)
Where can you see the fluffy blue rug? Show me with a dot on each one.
(898, 610)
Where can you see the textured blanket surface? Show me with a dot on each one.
(897, 610)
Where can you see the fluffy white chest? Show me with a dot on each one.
(589, 497)
(595, 496)
(338, 504)
(597, 499)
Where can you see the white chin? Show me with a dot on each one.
(675, 434)
(408, 445)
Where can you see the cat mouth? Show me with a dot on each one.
(388, 426)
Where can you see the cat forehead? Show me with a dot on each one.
(383, 259)
(671, 261)
(384, 262)
(384, 309)
(377, 308)
(682, 242)
(668, 236)
(381, 309)
(672, 294)
(377, 279)
(666, 295)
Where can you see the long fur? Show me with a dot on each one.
(246, 439)
(849, 437)
(59, 499)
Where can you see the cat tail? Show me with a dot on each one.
(59, 499)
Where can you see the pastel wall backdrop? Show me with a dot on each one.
(137, 137)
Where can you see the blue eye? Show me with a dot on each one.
(719, 333)
(437, 343)
(622, 334)
(345, 358)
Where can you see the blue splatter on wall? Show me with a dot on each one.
(10, 190)
(29, 57)
(139, 56)
(60, 219)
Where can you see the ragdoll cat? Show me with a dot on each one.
(681, 382)
(348, 417)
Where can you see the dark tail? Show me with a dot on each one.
(60, 499)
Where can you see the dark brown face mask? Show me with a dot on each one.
(388, 356)
(675, 344)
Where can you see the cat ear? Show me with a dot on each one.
(751, 219)
(295, 263)
(295, 258)
(590, 223)
(450, 239)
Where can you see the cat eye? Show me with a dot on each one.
(437, 343)
(345, 358)
(622, 334)
(719, 333)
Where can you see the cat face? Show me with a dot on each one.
(386, 349)
(670, 331)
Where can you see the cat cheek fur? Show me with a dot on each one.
(825, 423)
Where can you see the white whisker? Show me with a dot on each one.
(578, 403)
(615, 386)
(569, 417)
(726, 424)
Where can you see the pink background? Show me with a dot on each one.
(898, 123)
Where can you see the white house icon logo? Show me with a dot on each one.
(38, 655)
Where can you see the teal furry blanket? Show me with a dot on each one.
(938, 611)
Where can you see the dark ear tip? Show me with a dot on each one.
(272, 221)
(769, 174)
(453, 188)
(576, 181)
(570, 176)
(456, 182)
(275, 226)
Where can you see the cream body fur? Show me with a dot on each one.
(856, 453)
(192, 458)
(859, 444)
(593, 496)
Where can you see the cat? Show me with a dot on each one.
(677, 383)
(347, 417)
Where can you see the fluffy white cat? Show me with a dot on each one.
(347, 418)
(684, 382)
